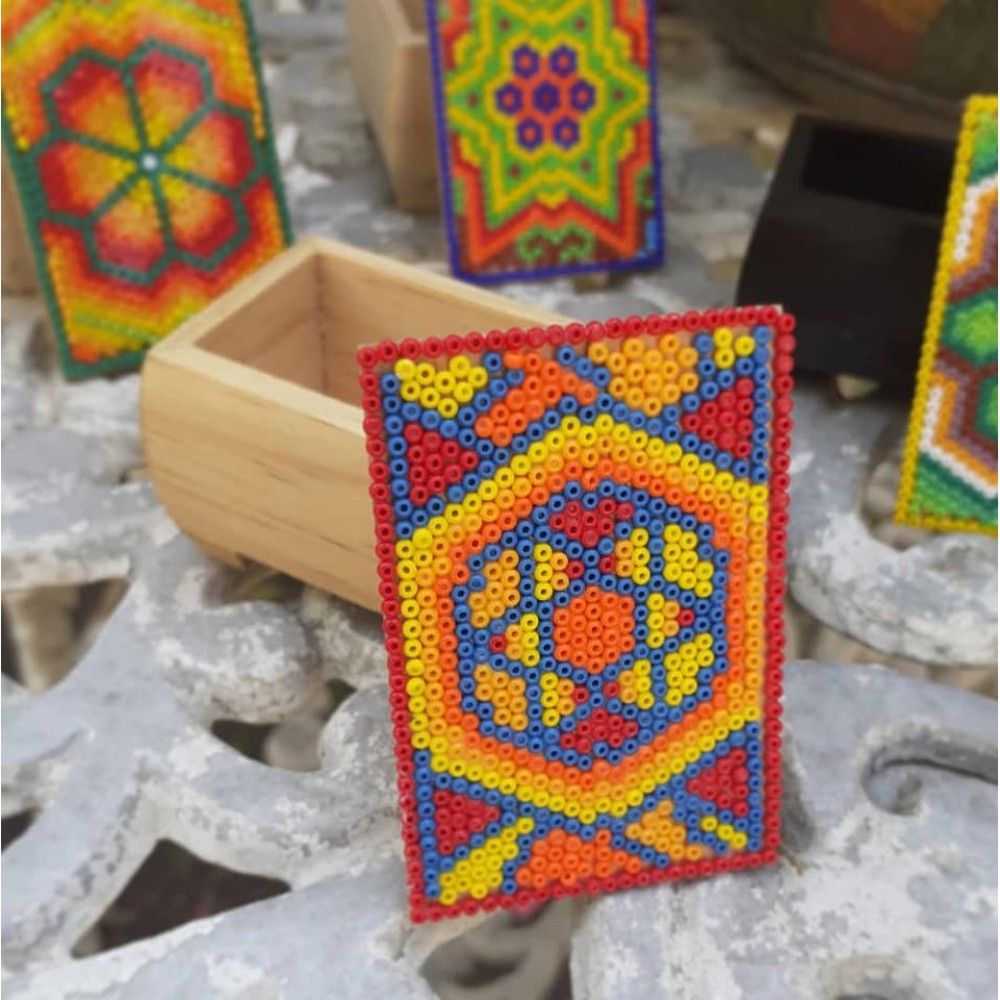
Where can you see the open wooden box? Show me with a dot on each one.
(391, 66)
(251, 417)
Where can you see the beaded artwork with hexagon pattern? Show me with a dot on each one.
(139, 141)
(546, 135)
(580, 535)
(949, 476)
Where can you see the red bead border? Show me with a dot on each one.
(782, 365)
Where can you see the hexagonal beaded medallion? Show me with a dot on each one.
(580, 534)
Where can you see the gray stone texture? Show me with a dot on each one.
(886, 885)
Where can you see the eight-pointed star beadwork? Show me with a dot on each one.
(559, 121)
(546, 130)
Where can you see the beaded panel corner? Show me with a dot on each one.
(139, 140)
(580, 534)
(546, 121)
(949, 479)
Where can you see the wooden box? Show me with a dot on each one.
(390, 62)
(251, 418)
(17, 266)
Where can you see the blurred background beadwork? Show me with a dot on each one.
(139, 141)
(949, 476)
(905, 64)
(546, 124)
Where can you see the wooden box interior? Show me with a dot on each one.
(306, 328)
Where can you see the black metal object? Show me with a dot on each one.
(848, 241)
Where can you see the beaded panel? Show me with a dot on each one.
(950, 467)
(139, 140)
(546, 135)
(581, 543)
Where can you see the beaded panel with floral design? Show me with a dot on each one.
(139, 141)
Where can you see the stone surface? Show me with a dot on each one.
(934, 600)
(284, 33)
(711, 170)
(887, 883)
(119, 756)
(348, 638)
(71, 513)
(333, 135)
(508, 956)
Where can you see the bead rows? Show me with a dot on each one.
(927, 416)
(140, 145)
(520, 85)
(583, 570)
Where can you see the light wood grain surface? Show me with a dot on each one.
(251, 422)
(390, 63)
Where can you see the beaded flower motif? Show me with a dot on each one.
(138, 139)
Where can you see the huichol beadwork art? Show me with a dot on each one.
(949, 476)
(138, 137)
(546, 135)
(581, 544)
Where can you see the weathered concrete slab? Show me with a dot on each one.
(887, 886)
